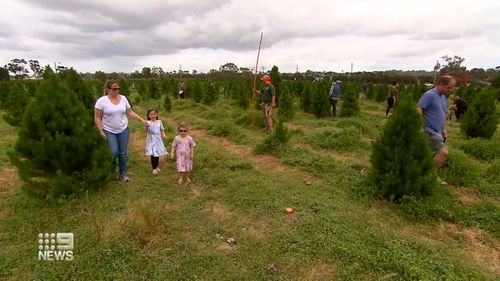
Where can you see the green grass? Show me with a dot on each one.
(152, 229)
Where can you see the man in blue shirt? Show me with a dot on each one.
(334, 96)
(432, 106)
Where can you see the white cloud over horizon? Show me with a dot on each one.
(322, 35)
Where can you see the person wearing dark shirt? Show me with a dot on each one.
(461, 107)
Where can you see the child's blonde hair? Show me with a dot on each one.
(182, 125)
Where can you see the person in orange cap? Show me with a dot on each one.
(268, 101)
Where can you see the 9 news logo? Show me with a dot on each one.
(55, 246)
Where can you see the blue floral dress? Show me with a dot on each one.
(154, 143)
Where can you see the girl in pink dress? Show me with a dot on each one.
(183, 148)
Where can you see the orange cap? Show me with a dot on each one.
(266, 79)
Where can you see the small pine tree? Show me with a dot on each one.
(480, 121)
(167, 103)
(279, 138)
(58, 152)
(124, 88)
(4, 93)
(277, 81)
(210, 96)
(381, 93)
(286, 109)
(193, 87)
(305, 100)
(350, 102)
(320, 99)
(153, 89)
(401, 160)
(142, 90)
(16, 103)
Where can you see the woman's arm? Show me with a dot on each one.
(131, 114)
(98, 121)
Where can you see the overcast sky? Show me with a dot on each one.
(322, 35)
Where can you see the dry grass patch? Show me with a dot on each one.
(466, 196)
(315, 270)
(9, 182)
(141, 221)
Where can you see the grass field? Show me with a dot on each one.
(152, 229)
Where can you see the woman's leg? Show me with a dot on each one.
(112, 141)
(122, 151)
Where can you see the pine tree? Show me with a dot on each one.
(153, 89)
(16, 103)
(58, 152)
(480, 121)
(320, 99)
(4, 92)
(124, 88)
(75, 83)
(210, 96)
(276, 81)
(401, 160)
(142, 90)
(286, 110)
(279, 138)
(305, 100)
(381, 93)
(167, 103)
(350, 103)
(194, 90)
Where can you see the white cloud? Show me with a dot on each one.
(124, 35)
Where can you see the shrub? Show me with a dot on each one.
(346, 139)
(16, 103)
(278, 139)
(493, 172)
(357, 123)
(226, 129)
(481, 118)
(481, 148)
(59, 152)
(167, 103)
(245, 119)
(459, 169)
(401, 160)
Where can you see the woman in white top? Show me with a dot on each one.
(110, 117)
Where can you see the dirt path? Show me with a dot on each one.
(262, 162)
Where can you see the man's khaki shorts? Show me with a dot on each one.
(267, 109)
(435, 141)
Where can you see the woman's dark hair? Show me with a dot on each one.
(149, 111)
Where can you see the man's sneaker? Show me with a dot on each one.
(124, 178)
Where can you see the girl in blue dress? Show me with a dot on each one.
(154, 143)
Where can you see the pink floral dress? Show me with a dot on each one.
(183, 148)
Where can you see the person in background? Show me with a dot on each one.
(461, 106)
(182, 90)
(334, 97)
(110, 118)
(432, 107)
(268, 101)
(392, 98)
